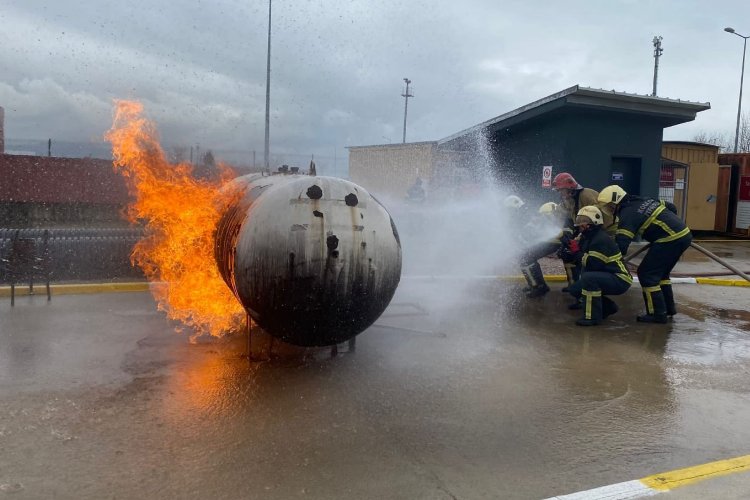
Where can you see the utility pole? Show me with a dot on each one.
(406, 95)
(268, 90)
(657, 53)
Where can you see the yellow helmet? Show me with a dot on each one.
(548, 208)
(611, 194)
(513, 201)
(589, 215)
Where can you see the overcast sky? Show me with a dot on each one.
(338, 66)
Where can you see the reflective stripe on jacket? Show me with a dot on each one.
(600, 253)
(649, 219)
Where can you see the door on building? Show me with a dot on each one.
(626, 173)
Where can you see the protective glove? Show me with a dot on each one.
(570, 253)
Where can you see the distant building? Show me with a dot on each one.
(733, 210)
(601, 137)
(690, 179)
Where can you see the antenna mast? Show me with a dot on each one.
(657, 53)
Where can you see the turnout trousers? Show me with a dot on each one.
(592, 288)
(653, 274)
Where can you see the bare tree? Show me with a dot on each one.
(725, 141)
(715, 138)
(743, 143)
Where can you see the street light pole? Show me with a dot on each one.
(742, 78)
(268, 94)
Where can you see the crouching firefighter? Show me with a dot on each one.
(603, 272)
(656, 222)
(530, 268)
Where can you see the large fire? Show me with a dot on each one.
(180, 213)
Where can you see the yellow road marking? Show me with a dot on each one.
(681, 477)
(75, 288)
(722, 282)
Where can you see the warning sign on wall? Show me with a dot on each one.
(546, 176)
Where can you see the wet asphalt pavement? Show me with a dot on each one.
(460, 390)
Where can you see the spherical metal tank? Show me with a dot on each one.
(314, 260)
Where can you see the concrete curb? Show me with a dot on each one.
(77, 288)
(142, 286)
(563, 278)
(662, 482)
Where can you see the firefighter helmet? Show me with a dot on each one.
(564, 180)
(513, 201)
(611, 194)
(589, 215)
(548, 208)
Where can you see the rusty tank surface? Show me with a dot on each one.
(314, 260)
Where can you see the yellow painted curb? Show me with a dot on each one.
(681, 477)
(722, 282)
(77, 288)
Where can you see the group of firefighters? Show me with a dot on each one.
(596, 231)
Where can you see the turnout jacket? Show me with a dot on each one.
(583, 198)
(601, 254)
(651, 219)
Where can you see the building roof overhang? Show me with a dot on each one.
(667, 112)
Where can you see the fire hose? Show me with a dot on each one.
(704, 251)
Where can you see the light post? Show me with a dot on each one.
(742, 77)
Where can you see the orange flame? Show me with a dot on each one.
(180, 213)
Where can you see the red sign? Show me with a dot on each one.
(546, 176)
(745, 188)
(667, 174)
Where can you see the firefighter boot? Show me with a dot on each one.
(529, 280)
(666, 290)
(569, 274)
(539, 287)
(575, 306)
(609, 307)
(656, 308)
(592, 308)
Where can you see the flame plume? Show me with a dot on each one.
(180, 213)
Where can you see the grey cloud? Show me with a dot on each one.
(199, 66)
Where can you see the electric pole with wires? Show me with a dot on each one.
(406, 95)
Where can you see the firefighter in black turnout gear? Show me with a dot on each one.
(549, 218)
(603, 272)
(657, 223)
(574, 197)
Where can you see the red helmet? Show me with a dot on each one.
(564, 180)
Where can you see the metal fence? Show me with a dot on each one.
(673, 187)
(28, 255)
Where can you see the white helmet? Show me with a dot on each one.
(611, 194)
(548, 208)
(589, 215)
(513, 201)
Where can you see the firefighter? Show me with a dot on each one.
(603, 272)
(573, 197)
(530, 268)
(657, 223)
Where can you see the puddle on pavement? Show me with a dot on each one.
(710, 335)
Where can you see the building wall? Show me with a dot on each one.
(701, 199)
(737, 215)
(582, 143)
(40, 191)
(702, 182)
(691, 153)
(389, 170)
